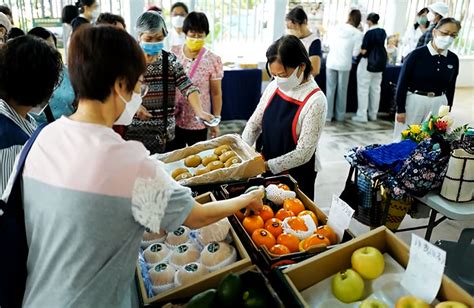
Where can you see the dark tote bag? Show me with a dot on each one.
(13, 238)
(350, 194)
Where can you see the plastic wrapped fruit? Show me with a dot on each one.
(226, 155)
(156, 253)
(232, 161)
(189, 273)
(192, 161)
(221, 149)
(215, 165)
(182, 176)
(184, 254)
(206, 160)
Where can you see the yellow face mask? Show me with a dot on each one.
(194, 44)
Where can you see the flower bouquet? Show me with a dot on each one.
(440, 125)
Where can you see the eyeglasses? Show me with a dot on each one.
(453, 35)
(143, 88)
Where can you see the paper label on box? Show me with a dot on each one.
(340, 215)
(425, 269)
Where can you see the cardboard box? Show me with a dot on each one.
(201, 284)
(262, 255)
(295, 278)
(252, 162)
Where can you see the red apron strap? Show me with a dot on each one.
(295, 119)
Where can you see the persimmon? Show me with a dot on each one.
(326, 231)
(310, 213)
(290, 241)
(262, 237)
(240, 214)
(266, 213)
(274, 226)
(315, 239)
(282, 214)
(283, 186)
(297, 223)
(280, 249)
(294, 204)
(252, 223)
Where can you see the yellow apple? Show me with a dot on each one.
(411, 301)
(451, 304)
(368, 262)
(373, 303)
(347, 286)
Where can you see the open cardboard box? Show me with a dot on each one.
(252, 162)
(261, 254)
(295, 278)
(205, 282)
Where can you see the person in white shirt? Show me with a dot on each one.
(176, 36)
(297, 25)
(414, 32)
(290, 116)
(344, 43)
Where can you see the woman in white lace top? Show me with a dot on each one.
(88, 194)
(288, 121)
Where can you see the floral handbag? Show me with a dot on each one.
(425, 169)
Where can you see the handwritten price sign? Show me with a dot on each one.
(425, 269)
(340, 215)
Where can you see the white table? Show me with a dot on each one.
(448, 209)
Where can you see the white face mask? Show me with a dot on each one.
(177, 21)
(131, 107)
(443, 42)
(430, 16)
(288, 83)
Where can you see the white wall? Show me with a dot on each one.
(466, 72)
(132, 9)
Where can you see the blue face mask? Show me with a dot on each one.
(152, 49)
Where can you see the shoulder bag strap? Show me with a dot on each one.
(21, 164)
(165, 93)
(196, 63)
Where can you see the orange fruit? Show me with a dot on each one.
(315, 239)
(263, 237)
(279, 249)
(274, 226)
(290, 241)
(282, 214)
(266, 213)
(326, 231)
(283, 186)
(240, 214)
(252, 223)
(312, 214)
(294, 204)
(297, 223)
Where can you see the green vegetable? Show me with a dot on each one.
(252, 299)
(204, 299)
(229, 291)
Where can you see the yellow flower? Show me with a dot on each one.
(405, 133)
(415, 129)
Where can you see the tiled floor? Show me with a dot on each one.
(339, 137)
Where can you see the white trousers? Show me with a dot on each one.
(368, 91)
(417, 109)
(336, 89)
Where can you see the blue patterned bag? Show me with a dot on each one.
(425, 169)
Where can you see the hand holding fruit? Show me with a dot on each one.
(255, 200)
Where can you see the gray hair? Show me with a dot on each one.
(150, 21)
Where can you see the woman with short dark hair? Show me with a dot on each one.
(290, 116)
(205, 70)
(39, 78)
(155, 123)
(297, 24)
(61, 102)
(111, 19)
(428, 78)
(88, 195)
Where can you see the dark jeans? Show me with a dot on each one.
(184, 137)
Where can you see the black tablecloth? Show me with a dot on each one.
(241, 90)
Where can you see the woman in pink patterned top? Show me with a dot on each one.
(206, 72)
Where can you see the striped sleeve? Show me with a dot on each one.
(183, 83)
(7, 157)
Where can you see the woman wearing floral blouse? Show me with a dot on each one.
(205, 70)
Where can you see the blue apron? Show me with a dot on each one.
(279, 136)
